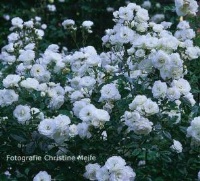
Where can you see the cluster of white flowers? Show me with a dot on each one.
(178, 88)
(114, 169)
(89, 86)
(22, 113)
(140, 108)
(91, 115)
(57, 128)
(137, 123)
(185, 7)
(83, 64)
(23, 41)
(144, 105)
(70, 25)
(151, 44)
(11, 80)
(7, 97)
(110, 60)
(151, 47)
(37, 73)
(157, 18)
(83, 61)
(185, 34)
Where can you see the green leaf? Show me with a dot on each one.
(30, 147)
(18, 138)
(166, 158)
(3, 178)
(64, 112)
(167, 135)
(136, 152)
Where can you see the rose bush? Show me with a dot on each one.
(130, 105)
(53, 12)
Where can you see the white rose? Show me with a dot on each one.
(87, 24)
(17, 22)
(177, 146)
(40, 73)
(91, 170)
(76, 95)
(159, 89)
(142, 127)
(27, 56)
(62, 122)
(182, 85)
(47, 127)
(30, 83)
(192, 52)
(151, 107)
(194, 129)
(83, 130)
(142, 15)
(56, 102)
(173, 93)
(22, 113)
(139, 100)
(160, 59)
(87, 82)
(7, 97)
(42, 175)
(115, 163)
(86, 114)
(11, 80)
(109, 92)
(73, 131)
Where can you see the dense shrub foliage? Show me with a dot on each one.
(78, 103)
